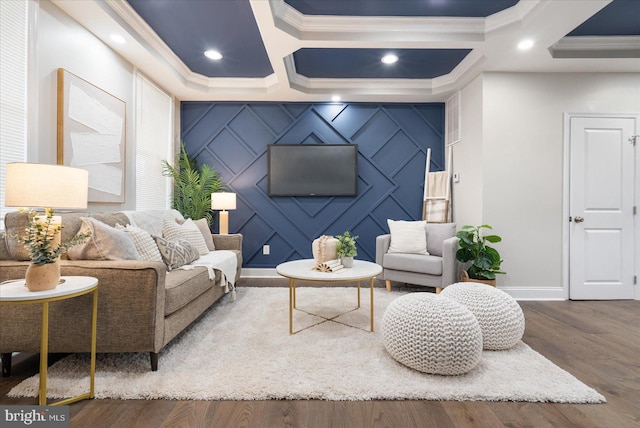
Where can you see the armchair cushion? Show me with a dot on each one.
(431, 265)
(437, 233)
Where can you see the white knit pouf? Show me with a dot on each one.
(500, 317)
(432, 334)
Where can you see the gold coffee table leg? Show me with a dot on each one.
(371, 287)
(94, 336)
(358, 294)
(44, 354)
(291, 303)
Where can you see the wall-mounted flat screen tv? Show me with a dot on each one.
(313, 169)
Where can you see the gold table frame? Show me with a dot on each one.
(325, 277)
(44, 339)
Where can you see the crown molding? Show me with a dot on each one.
(468, 68)
(375, 28)
(212, 85)
(597, 47)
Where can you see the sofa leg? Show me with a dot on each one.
(6, 364)
(388, 283)
(154, 361)
(438, 290)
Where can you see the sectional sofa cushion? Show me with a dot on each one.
(105, 243)
(184, 286)
(14, 227)
(16, 222)
(146, 246)
(187, 231)
(203, 225)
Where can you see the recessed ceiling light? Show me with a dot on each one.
(335, 98)
(389, 59)
(211, 54)
(525, 44)
(118, 39)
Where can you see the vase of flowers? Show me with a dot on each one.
(346, 249)
(44, 246)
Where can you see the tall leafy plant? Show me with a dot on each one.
(192, 187)
(485, 260)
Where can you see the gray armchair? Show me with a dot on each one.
(438, 269)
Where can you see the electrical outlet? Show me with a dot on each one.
(266, 250)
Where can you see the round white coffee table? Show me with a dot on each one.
(16, 293)
(302, 270)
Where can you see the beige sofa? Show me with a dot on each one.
(141, 306)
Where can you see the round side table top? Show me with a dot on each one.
(302, 269)
(18, 291)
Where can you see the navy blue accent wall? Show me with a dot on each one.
(392, 144)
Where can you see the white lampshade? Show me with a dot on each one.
(33, 185)
(223, 201)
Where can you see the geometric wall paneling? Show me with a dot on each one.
(392, 143)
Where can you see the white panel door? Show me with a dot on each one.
(602, 178)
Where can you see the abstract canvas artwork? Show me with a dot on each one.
(91, 135)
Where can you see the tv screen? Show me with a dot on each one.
(313, 169)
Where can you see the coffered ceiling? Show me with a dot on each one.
(313, 50)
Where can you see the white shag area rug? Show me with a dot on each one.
(242, 350)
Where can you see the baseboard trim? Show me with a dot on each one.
(259, 273)
(518, 293)
(535, 293)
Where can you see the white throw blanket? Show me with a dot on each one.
(223, 260)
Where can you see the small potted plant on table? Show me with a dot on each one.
(42, 240)
(346, 249)
(485, 260)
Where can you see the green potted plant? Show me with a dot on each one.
(192, 187)
(485, 260)
(346, 248)
(43, 244)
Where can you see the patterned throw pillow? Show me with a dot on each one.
(189, 231)
(146, 246)
(105, 243)
(176, 253)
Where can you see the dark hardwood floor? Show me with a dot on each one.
(598, 342)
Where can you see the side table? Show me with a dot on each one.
(16, 293)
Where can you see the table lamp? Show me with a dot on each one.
(223, 201)
(34, 185)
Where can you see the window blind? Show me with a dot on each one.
(13, 88)
(154, 130)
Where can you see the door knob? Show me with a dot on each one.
(579, 219)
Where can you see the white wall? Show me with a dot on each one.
(62, 43)
(466, 195)
(522, 153)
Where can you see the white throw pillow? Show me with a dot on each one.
(188, 231)
(146, 246)
(408, 237)
(204, 229)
